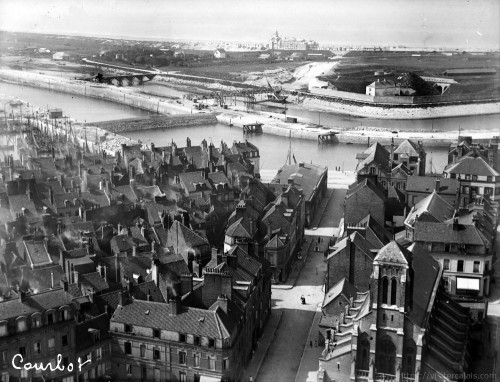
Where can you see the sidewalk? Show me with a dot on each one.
(267, 337)
(309, 363)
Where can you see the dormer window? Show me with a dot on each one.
(36, 320)
(3, 329)
(21, 324)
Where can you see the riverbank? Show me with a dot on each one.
(120, 95)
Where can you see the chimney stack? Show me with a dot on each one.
(438, 184)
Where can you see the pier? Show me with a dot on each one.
(252, 128)
(329, 137)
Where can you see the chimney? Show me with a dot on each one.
(175, 305)
(76, 279)
(21, 294)
(222, 300)
(455, 224)
(51, 195)
(350, 253)
(216, 256)
(51, 280)
(186, 283)
(290, 181)
(216, 283)
(122, 298)
(134, 250)
(196, 267)
(64, 284)
(438, 184)
(155, 271)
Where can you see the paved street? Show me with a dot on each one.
(290, 357)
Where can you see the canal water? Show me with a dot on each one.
(273, 149)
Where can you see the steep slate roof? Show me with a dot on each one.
(408, 147)
(445, 233)
(239, 229)
(84, 335)
(191, 179)
(358, 240)
(368, 184)
(95, 280)
(427, 184)
(179, 233)
(201, 322)
(472, 166)
(34, 303)
(375, 153)
(305, 177)
(342, 287)
(393, 253)
(379, 231)
(426, 271)
(432, 205)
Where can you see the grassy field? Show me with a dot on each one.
(357, 69)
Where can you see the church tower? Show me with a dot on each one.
(390, 290)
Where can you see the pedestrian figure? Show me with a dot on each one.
(303, 299)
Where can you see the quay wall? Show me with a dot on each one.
(106, 92)
(365, 136)
(389, 112)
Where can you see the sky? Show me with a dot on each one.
(463, 24)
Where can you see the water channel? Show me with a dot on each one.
(273, 149)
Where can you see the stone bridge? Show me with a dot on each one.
(121, 80)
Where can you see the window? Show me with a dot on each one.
(3, 329)
(211, 363)
(144, 372)
(385, 289)
(65, 361)
(225, 364)
(447, 284)
(467, 176)
(64, 340)
(476, 267)
(143, 350)
(394, 289)
(474, 177)
(211, 343)
(487, 266)
(51, 343)
(37, 347)
(156, 333)
(447, 247)
(21, 324)
(196, 340)
(128, 328)
(98, 353)
(489, 178)
(182, 337)
(50, 318)
(128, 348)
(3, 357)
(65, 315)
(182, 376)
(182, 357)
(196, 360)
(129, 369)
(37, 322)
(156, 354)
(460, 266)
(446, 264)
(22, 351)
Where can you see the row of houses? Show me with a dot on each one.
(407, 276)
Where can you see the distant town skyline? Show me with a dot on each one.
(461, 24)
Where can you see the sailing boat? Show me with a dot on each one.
(290, 155)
